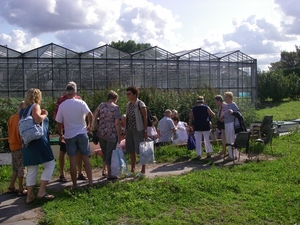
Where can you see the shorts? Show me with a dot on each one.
(78, 143)
(107, 148)
(17, 163)
(133, 140)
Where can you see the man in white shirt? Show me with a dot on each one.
(166, 128)
(72, 113)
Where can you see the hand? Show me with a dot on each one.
(145, 135)
(44, 112)
(62, 139)
(89, 130)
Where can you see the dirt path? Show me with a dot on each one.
(14, 210)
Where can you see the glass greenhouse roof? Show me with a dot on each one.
(51, 51)
(196, 55)
(7, 52)
(105, 52)
(153, 53)
(234, 56)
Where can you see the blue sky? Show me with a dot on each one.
(261, 29)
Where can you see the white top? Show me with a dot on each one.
(151, 131)
(182, 135)
(72, 113)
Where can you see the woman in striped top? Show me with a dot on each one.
(229, 123)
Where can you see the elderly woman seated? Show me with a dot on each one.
(181, 135)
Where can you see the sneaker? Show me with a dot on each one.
(130, 174)
(140, 175)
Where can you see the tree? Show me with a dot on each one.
(129, 46)
(288, 60)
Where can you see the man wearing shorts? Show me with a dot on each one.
(72, 113)
(63, 149)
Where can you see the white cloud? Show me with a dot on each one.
(19, 41)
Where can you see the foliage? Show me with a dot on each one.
(130, 46)
(288, 60)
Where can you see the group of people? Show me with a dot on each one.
(75, 121)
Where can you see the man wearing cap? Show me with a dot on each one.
(62, 145)
(72, 113)
(165, 129)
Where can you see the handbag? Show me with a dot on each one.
(146, 149)
(28, 129)
(191, 142)
(118, 162)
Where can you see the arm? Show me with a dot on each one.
(210, 112)
(191, 118)
(144, 115)
(95, 119)
(90, 122)
(118, 128)
(38, 114)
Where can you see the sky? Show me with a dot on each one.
(259, 28)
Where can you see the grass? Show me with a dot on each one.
(285, 111)
(266, 192)
(255, 193)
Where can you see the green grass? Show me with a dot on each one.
(255, 193)
(286, 111)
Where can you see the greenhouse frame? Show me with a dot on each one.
(51, 67)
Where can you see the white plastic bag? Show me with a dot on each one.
(146, 149)
(118, 162)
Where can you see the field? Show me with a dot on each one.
(264, 192)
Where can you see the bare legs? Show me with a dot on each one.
(133, 163)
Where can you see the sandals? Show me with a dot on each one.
(62, 179)
(22, 193)
(46, 197)
(12, 190)
(81, 177)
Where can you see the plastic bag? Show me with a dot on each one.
(146, 149)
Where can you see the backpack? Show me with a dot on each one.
(149, 116)
(28, 129)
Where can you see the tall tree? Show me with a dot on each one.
(129, 46)
(288, 60)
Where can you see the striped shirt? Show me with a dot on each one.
(228, 117)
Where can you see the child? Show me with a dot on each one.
(15, 145)
(152, 133)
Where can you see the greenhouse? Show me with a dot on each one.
(51, 67)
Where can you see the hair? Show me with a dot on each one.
(71, 85)
(154, 119)
(229, 94)
(168, 112)
(175, 118)
(21, 105)
(112, 95)
(33, 95)
(219, 98)
(174, 111)
(200, 99)
(134, 90)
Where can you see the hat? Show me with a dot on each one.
(200, 99)
(71, 88)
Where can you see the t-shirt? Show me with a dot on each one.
(14, 139)
(72, 113)
(165, 126)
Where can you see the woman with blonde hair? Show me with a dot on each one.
(37, 151)
(230, 107)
